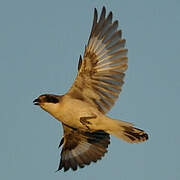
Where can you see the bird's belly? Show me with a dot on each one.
(73, 111)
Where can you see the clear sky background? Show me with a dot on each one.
(40, 43)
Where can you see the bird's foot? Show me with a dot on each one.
(85, 121)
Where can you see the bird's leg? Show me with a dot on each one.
(85, 122)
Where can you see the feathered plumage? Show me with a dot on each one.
(82, 110)
(101, 72)
(81, 148)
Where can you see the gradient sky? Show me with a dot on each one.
(40, 43)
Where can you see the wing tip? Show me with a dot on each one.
(84, 154)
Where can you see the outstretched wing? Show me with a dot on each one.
(82, 148)
(101, 72)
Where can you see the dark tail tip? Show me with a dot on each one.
(135, 135)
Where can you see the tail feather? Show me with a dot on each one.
(127, 132)
(134, 135)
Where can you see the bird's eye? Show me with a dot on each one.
(52, 99)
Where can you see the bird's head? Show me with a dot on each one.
(48, 102)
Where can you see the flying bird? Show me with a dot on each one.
(82, 110)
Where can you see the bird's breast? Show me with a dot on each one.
(71, 110)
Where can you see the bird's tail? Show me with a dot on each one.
(126, 131)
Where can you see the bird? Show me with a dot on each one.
(83, 109)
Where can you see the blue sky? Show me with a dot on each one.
(40, 43)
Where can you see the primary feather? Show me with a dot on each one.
(101, 72)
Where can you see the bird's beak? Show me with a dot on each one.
(36, 102)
